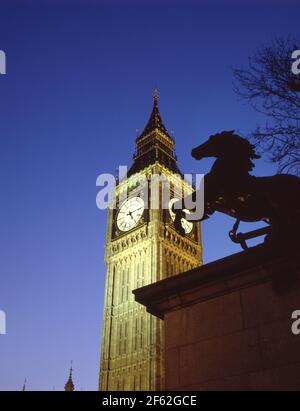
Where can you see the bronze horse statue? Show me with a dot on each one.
(229, 188)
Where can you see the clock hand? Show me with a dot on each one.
(138, 208)
(130, 214)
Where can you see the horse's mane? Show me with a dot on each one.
(236, 144)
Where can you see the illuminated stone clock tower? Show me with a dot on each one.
(142, 247)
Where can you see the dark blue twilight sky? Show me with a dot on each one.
(79, 81)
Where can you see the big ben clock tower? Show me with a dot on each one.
(143, 247)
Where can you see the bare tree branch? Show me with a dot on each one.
(272, 89)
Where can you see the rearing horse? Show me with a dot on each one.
(230, 189)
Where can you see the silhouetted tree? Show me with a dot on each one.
(271, 88)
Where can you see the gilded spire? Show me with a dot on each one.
(69, 386)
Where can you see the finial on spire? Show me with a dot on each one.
(155, 94)
(155, 120)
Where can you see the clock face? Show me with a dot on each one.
(186, 225)
(130, 213)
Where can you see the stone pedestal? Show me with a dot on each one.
(228, 323)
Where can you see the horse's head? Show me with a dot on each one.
(225, 144)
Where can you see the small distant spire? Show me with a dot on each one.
(69, 386)
(24, 385)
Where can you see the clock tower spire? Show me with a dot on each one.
(142, 247)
